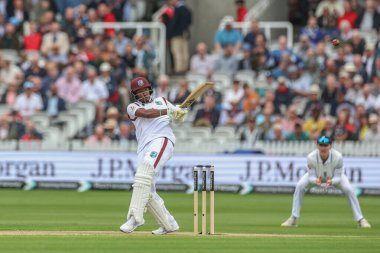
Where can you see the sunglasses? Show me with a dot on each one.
(323, 145)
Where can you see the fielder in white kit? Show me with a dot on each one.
(325, 164)
(155, 138)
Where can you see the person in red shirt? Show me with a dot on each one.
(32, 41)
(108, 17)
(349, 14)
(241, 10)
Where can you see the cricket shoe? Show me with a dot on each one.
(163, 231)
(130, 225)
(291, 222)
(363, 223)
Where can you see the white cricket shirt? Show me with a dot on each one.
(332, 167)
(148, 129)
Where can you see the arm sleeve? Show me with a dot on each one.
(131, 110)
(337, 175)
(311, 170)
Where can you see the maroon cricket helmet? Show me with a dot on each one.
(140, 83)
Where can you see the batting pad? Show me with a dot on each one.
(141, 191)
(157, 208)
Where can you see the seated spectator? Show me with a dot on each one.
(246, 62)
(227, 62)
(282, 49)
(330, 92)
(32, 40)
(201, 62)
(235, 93)
(208, 116)
(55, 38)
(232, 115)
(315, 124)
(95, 90)
(228, 36)
(111, 129)
(126, 133)
(312, 30)
(120, 41)
(56, 56)
(113, 113)
(314, 100)
(363, 127)
(110, 82)
(345, 32)
(283, 95)
(129, 57)
(53, 104)
(162, 89)
(369, 56)
(4, 128)
(28, 102)
(291, 118)
(36, 68)
(249, 134)
(31, 133)
(366, 98)
(300, 84)
(17, 12)
(52, 76)
(276, 133)
(182, 93)
(10, 95)
(265, 121)
(9, 73)
(343, 122)
(10, 38)
(329, 128)
(98, 138)
(250, 37)
(369, 19)
(69, 86)
(375, 69)
(246, 98)
(302, 48)
(373, 133)
(16, 127)
(349, 14)
(340, 135)
(298, 134)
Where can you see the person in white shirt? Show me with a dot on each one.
(155, 139)
(202, 63)
(325, 165)
(366, 98)
(28, 102)
(236, 93)
(95, 90)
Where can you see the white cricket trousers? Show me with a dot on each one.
(157, 153)
(303, 185)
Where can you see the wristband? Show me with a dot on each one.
(160, 112)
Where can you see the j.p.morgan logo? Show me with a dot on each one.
(24, 169)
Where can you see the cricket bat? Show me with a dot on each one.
(196, 93)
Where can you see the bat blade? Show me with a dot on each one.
(196, 93)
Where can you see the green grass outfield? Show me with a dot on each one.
(326, 224)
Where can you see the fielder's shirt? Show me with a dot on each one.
(332, 167)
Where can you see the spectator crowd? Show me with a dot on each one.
(51, 59)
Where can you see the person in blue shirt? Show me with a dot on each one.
(228, 36)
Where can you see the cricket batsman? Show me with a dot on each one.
(325, 164)
(155, 138)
